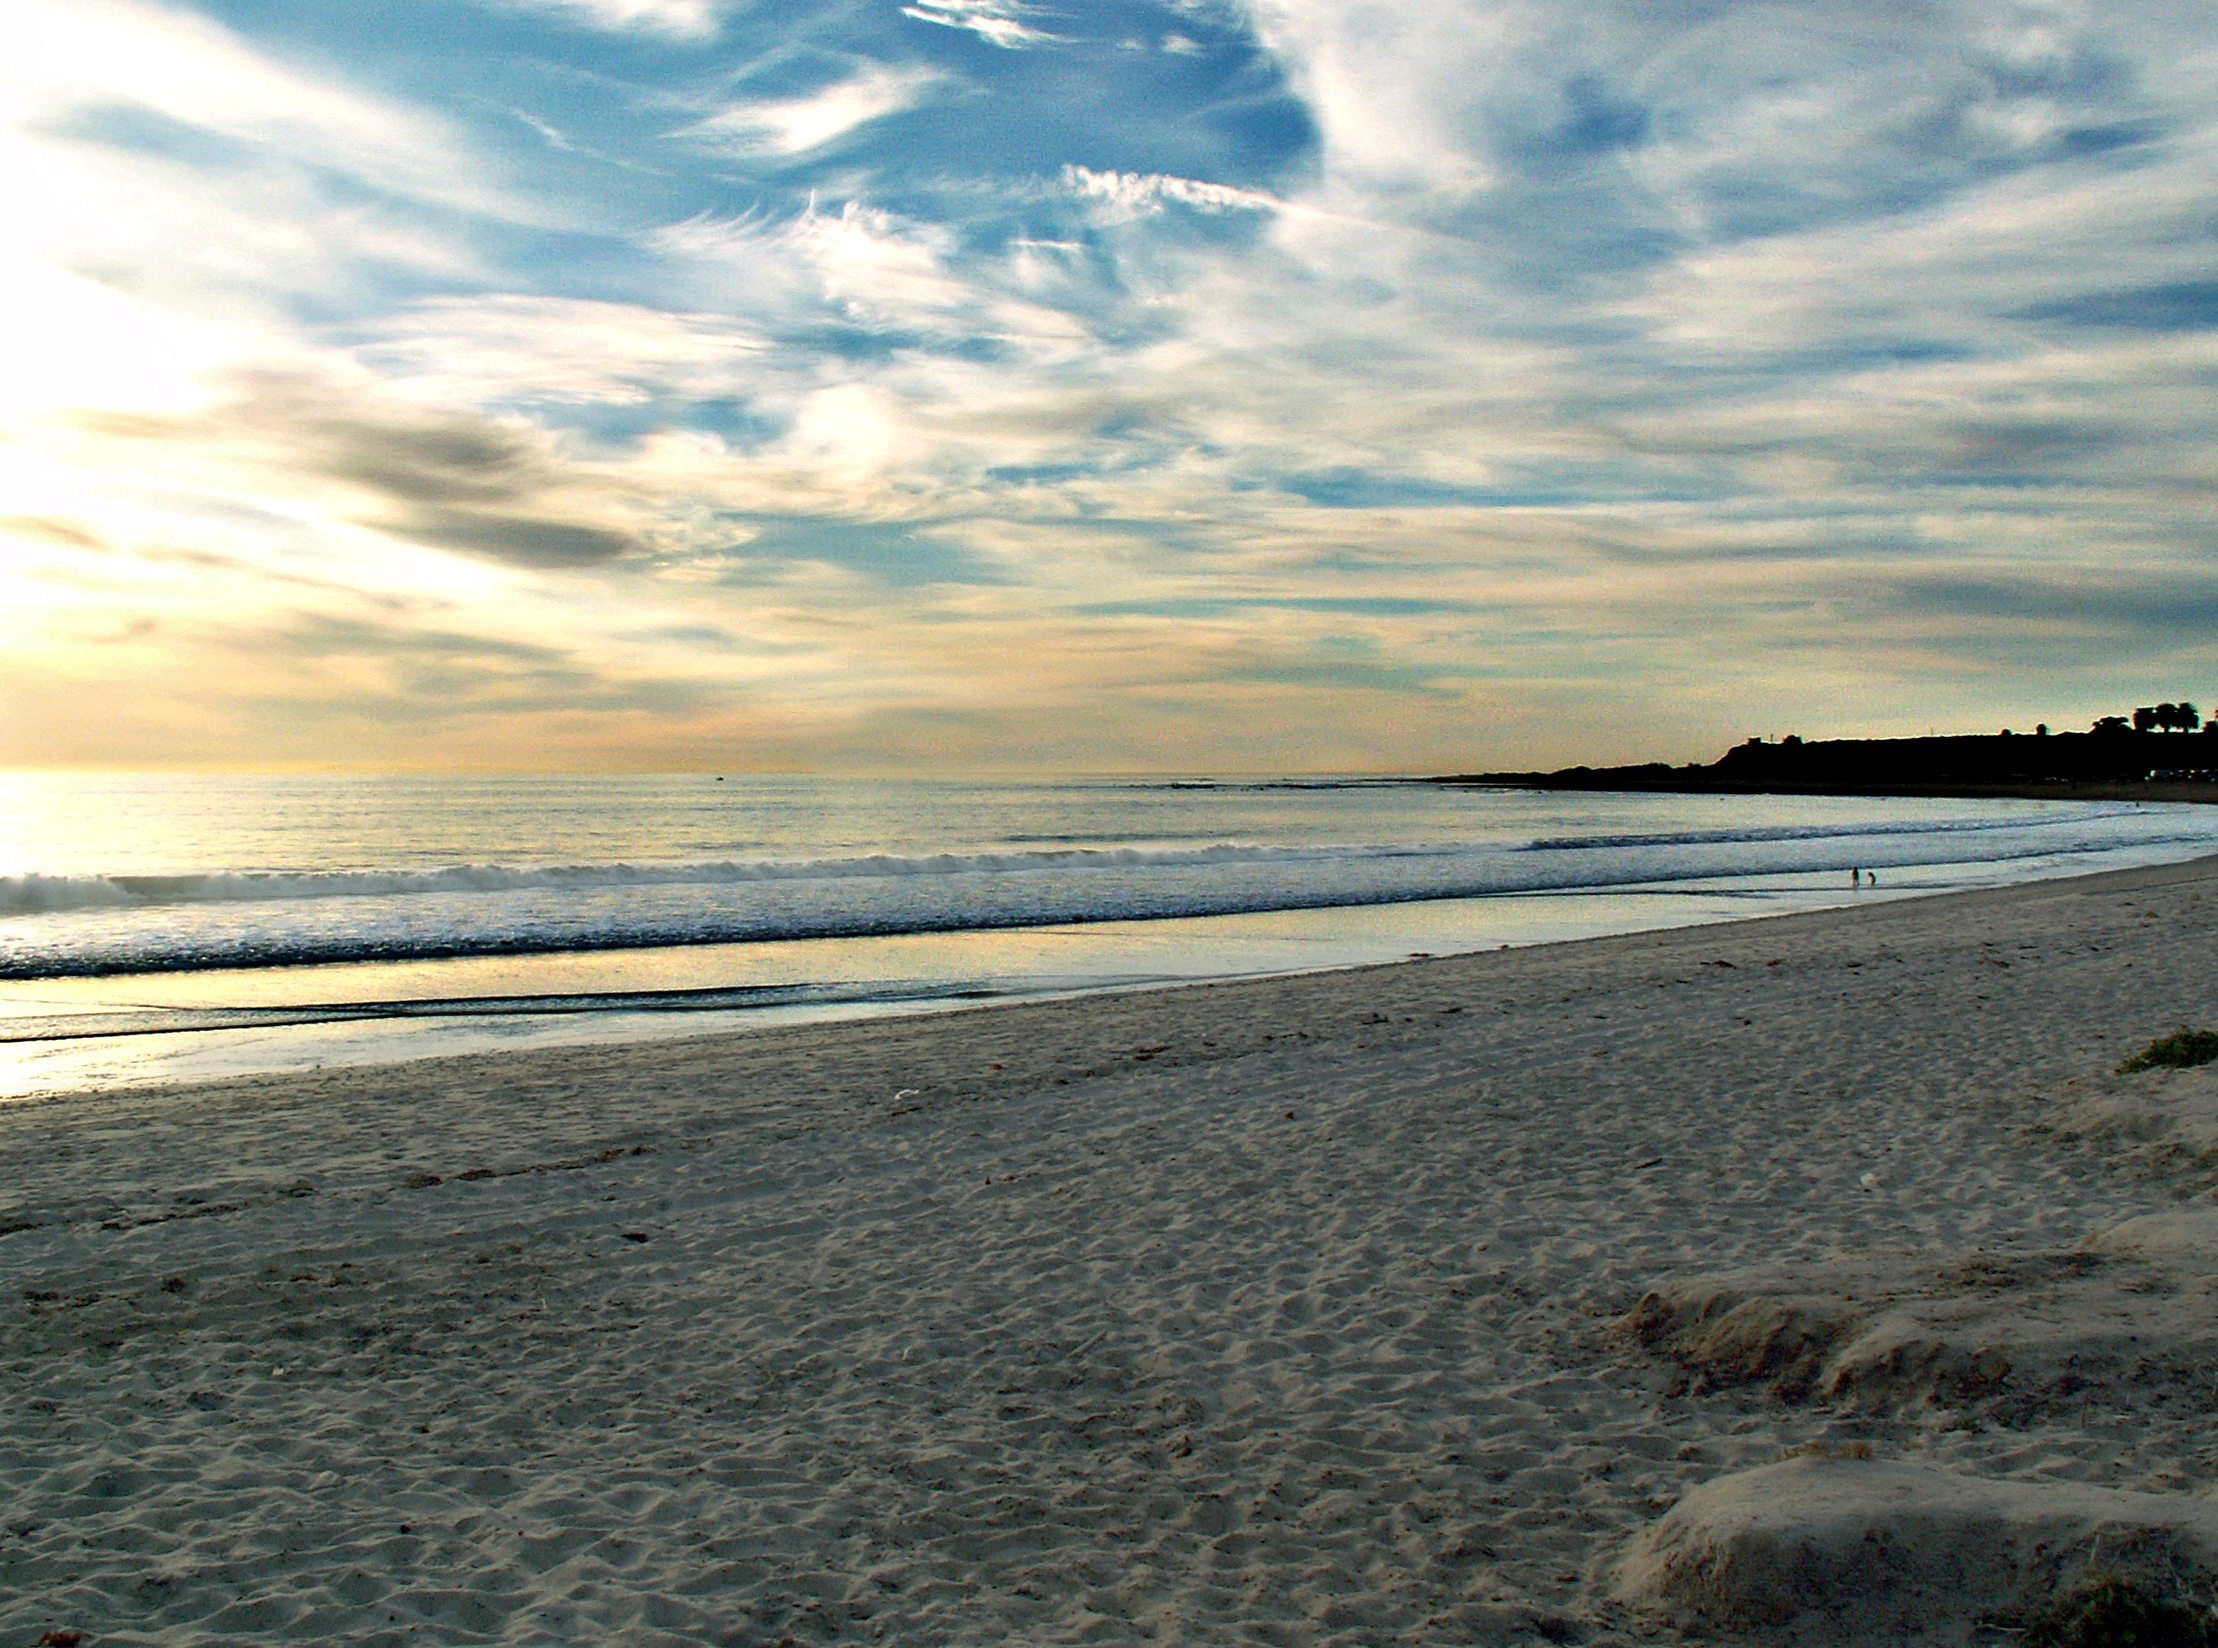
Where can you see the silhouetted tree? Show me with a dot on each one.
(2144, 718)
(2189, 716)
(2110, 723)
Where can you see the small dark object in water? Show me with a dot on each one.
(64, 1638)
(2115, 1613)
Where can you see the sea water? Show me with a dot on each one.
(172, 926)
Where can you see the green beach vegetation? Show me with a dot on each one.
(2182, 1050)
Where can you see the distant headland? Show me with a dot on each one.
(2162, 752)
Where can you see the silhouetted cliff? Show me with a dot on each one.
(2146, 765)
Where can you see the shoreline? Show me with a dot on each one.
(1601, 948)
(1279, 1310)
(59, 1034)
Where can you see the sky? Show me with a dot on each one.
(1096, 385)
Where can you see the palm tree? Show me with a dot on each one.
(2189, 716)
(2144, 718)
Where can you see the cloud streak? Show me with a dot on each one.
(999, 21)
(797, 125)
(684, 19)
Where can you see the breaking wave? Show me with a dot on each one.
(40, 894)
(61, 924)
(48, 894)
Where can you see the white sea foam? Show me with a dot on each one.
(148, 876)
(43, 894)
(38, 894)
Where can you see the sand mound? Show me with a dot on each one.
(2134, 1307)
(2186, 1238)
(2165, 1122)
(1835, 1549)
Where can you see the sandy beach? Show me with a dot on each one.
(1394, 1305)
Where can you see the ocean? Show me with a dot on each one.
(173, 927)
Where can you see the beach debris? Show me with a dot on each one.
(635, 1236)
(61, 1638)
(1869, 1180)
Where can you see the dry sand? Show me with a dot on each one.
(1361, 1308)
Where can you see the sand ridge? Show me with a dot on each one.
(1275, 1312)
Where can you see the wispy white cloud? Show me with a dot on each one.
(171, 190)
(1472, 357)
(512, 348)
(109, 57)
(1134, 194)
(796, 125)
(683, 19)
(1953, 272)
(1000, 21)
(1398, 91)
(867, 267)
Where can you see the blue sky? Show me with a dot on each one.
(1176, 385)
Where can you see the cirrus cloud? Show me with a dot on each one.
(1427, 377)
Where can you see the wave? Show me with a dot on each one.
(37, 894)
(542, 921)
(42, 894)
